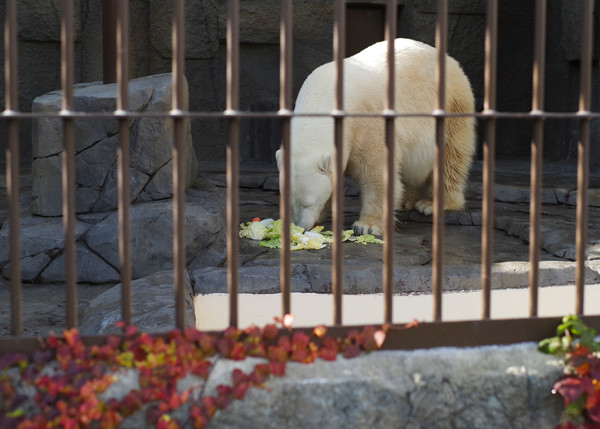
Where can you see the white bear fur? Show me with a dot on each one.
(365, 83)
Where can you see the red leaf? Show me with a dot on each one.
(372, 338)
(571, 388)
(208, 343)
(72, 337)
(593, 406)
(239, 391)
(354, 337)
(285, 344)
(260, 374)
(201, 368)
(328, 354)
(113, 341)
(277, 368)
(224, 347)
(52, 341)
(238, 376)
(351, 351)
(209, 405)
(277, 354)
(270, 332)
(300, 340)
(192, 334)
(231, 333)
(223, 389)
(130, 331)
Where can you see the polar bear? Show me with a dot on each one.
(365, 89)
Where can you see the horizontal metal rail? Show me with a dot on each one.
(282, 115)
(467, 333)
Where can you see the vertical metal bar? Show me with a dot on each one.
(123, 156)
(285, 109)
(11, 74)
(583, 150)
(441, 43)
(68, 160)
(537, 144)
(110, 10)
(232, 103)
(489, 155)
(179, 107)
(339, 49)
(389, 173)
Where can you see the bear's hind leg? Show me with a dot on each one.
(409, 199)
(458, 155)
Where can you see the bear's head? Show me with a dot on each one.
(311, 187)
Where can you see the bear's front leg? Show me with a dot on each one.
(371, 210)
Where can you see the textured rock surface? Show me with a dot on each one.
(97, 141)
(153, 307)
(152, 234)
(504, 387)
(42, 251)
(500, 387)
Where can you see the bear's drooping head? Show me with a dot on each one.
(310, 188)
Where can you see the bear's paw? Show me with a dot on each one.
(367, 227)
(424, 207)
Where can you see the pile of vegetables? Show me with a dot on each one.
(268, 231)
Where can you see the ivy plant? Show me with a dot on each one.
(580, 384)
(64, 379)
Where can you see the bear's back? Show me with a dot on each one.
(365, 81)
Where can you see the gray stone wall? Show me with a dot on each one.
(39, 34)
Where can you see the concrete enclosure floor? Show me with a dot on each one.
(44, 309)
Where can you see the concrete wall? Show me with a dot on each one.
(39, 34)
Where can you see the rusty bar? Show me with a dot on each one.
(489, 155)
(233, 123)
(285, 109)
(179, 107)
(11, 75)
(399, 337)
(537, 144)
(389, 174)
(68, 160)
(583, 150)
(110, 11)
(123, 156)
(441, 43)
(339, 49)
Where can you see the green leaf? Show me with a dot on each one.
(274, 243)
(550, 345)
(15, 413)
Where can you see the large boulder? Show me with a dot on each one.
(148, 315)
(97, 140)
(97, 237)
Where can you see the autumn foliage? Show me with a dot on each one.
(580, 385)
(67, 378)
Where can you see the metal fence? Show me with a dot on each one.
(436, 333)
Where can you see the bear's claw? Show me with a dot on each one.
(361, 228)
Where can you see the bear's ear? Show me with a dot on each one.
(278, 158)
(324, 162)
